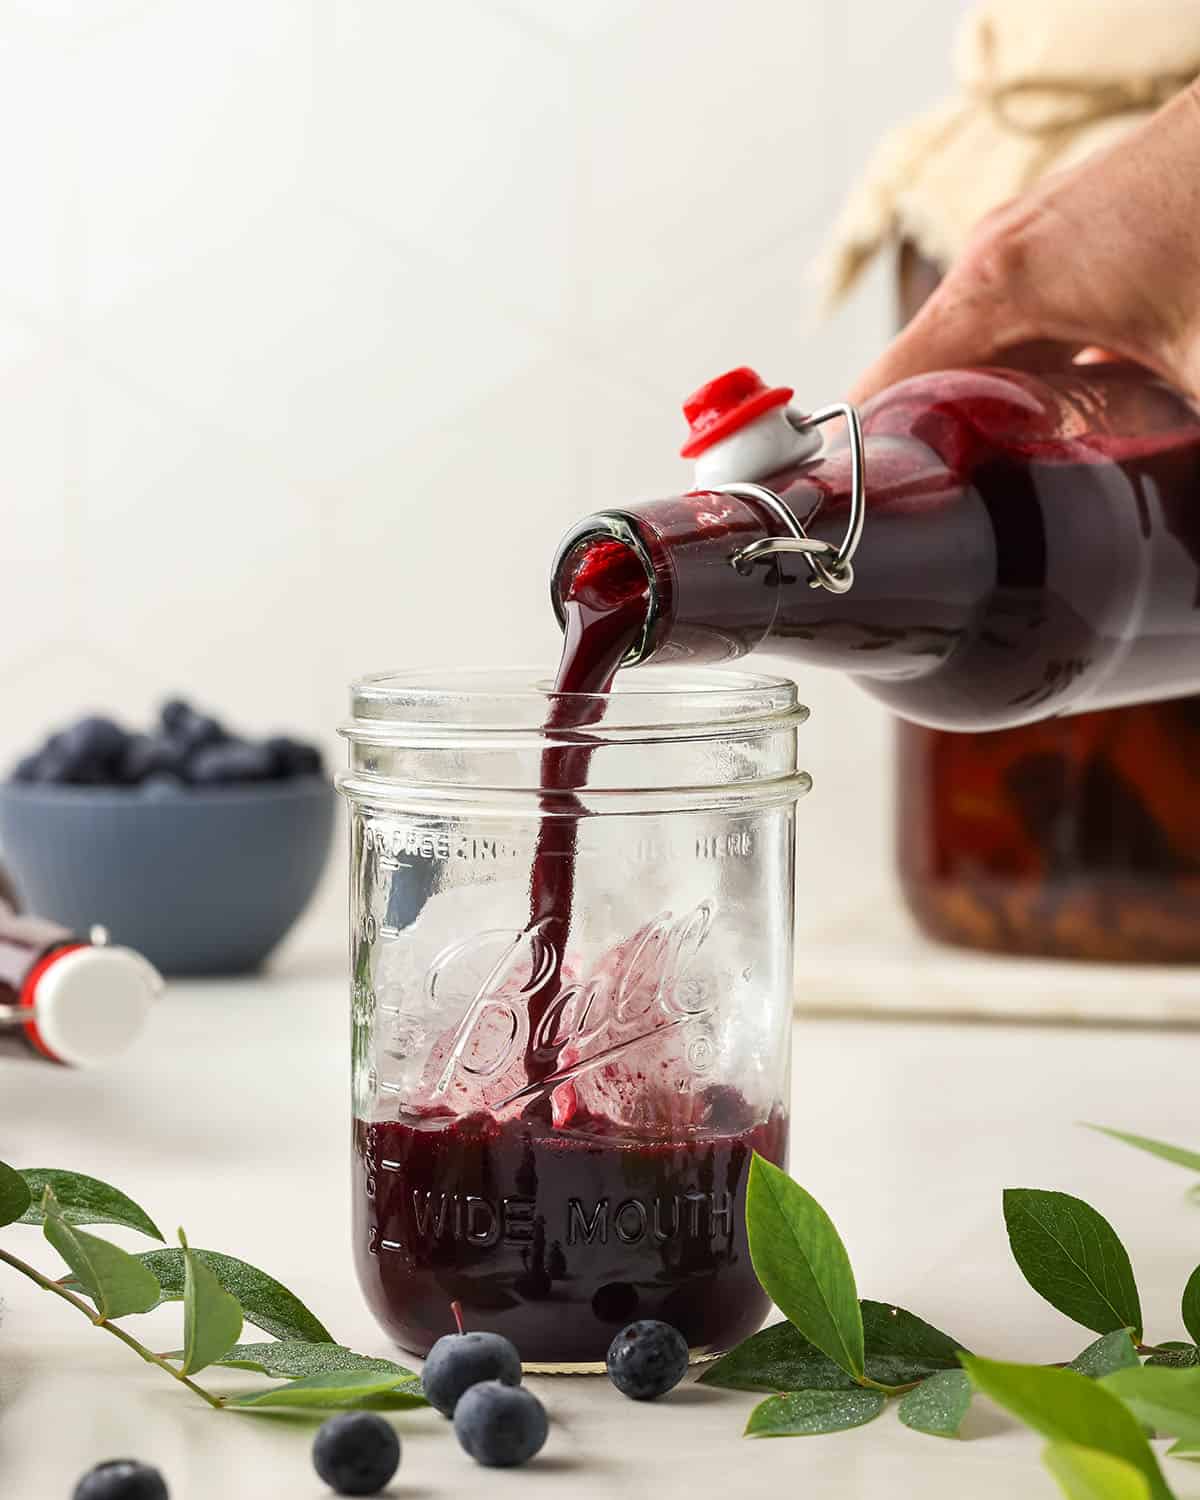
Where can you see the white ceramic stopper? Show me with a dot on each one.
(755, 451)
(91, 1003)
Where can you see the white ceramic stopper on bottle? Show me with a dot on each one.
(87, 1004)
(740, 429)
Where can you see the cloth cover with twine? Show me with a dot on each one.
(1042, 84)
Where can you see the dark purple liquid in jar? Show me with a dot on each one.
(554, 1224)
(557, 1238)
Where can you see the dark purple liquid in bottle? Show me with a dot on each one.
(1032, 547)
(559, 1226)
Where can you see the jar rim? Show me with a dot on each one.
(487, 699)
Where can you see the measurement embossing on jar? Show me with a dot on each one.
(736, 845)
(651, 850)
(405, 841)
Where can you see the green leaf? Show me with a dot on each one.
(85, 1200)
(264, 1302)
(1191, 1305)
(1086, 1474)
(1071, 1255)
(802, 1264)
(1183, 1449)
(806, 1413)
(1165, 1400)
(901, 1348)
(1172, 1355)
(116, 1281)
(778, 1358)
(14, 1194)
(1111, 1351)
(293, 1359)
(1176, 1154)
(1069, 1408)
(938, 1405)
(339, 1389)
(212, 1317)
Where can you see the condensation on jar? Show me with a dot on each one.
(66, 999)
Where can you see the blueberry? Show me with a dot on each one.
(534, 1284)
(53, 767)
(121, 1479)
(500, 1425)
(356, 1453)
(460, 1360)
(98, 737)
(616, 1302)
(173, 712)
(235, 760)
(27, 768)
(193, 731)
(64, 764)
(647, 1359)
(87, 771)
(293, 757)
(148, 755)
(88, 751)
(161, 787)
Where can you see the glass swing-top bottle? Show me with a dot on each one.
(978, 548)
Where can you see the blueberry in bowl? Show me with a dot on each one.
(195, 845)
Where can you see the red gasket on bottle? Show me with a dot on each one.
(29, 995)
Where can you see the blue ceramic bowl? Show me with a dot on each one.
(206, 880)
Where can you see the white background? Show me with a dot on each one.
(321, 319)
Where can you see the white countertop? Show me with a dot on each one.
(870, 957)
(232, 1119)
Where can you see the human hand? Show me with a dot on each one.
(1105, 254)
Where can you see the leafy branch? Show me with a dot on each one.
(219, 1294)
(838, 1361)
(148, 1355)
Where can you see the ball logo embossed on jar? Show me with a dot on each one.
(634, 991)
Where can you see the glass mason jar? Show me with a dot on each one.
(556, 1132)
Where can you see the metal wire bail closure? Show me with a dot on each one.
(831, 567)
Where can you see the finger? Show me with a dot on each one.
(1091, 355)
(955, 327)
